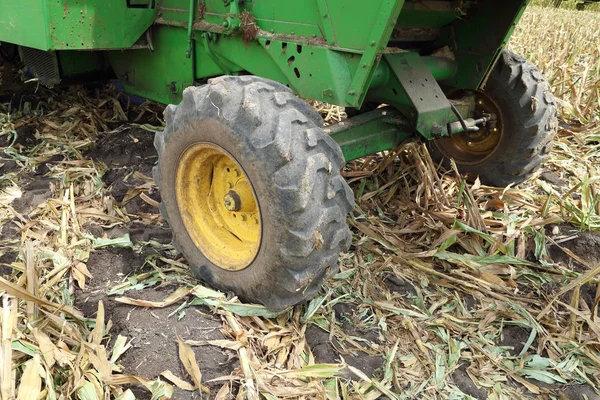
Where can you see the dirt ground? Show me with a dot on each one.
(125, 151)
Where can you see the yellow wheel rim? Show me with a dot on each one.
(218, 206)
(470, 148)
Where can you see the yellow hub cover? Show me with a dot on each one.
(218, 206)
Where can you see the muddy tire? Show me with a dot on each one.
(529, 122)
(293, 168)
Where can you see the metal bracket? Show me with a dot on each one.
(328, 30)
(378, 39)
(430, 111)
(233, 20)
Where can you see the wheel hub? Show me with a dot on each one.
(218, 206)
(475, 147)
(232, 201)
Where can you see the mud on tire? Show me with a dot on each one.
(294, 168)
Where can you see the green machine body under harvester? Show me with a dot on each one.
(249, 177)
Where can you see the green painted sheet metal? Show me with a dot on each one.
(24, 22)
(160, 75)
(313, 72)
(208, 62)
(478, 39)
(299, 18)
(109, 24)
(355, 21)
(73, 24)
(333, 30)
(341, 24)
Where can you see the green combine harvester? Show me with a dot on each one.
(250, 179)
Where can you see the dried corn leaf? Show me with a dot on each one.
(180, 383)
(188, 359)
(30, 386)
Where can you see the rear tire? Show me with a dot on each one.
(294, 170)
(529, 119)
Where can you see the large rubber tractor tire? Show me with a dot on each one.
(252, 189)
(513, 148)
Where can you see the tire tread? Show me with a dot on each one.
(287, 134)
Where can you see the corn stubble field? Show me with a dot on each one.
(450, 289)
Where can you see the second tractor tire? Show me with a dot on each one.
(529, 119)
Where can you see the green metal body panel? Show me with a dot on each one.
(24, 22)
(73, 24)
(345, 52)
(137, 70)
(478, 41)
(419, 15)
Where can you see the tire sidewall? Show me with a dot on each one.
(214, 131)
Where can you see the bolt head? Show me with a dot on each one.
(232, 201)
(229, 203)
(437, 130)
